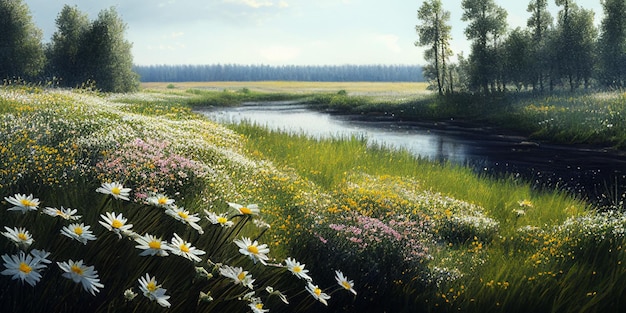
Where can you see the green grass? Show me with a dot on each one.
(412, 234)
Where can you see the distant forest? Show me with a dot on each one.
(234, 72)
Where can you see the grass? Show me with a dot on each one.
(411, 234)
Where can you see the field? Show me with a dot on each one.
(374, 89)
(244, 219)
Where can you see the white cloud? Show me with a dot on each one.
(253, 3)
(389, 41)
(279, 53)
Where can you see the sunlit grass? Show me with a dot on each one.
(412, 234)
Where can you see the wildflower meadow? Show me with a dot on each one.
(135, 203)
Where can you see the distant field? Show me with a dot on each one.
(377, 89)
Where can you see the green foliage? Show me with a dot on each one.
(21, 54)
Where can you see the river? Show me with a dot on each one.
(598, 175)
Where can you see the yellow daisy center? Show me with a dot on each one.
(317, 291)
(26, 202)
(183, 214)
(76, 269)
(297, 269)
(117, 224)
(183, 247)
(245, 210)
(151, 286)
(78, 230)
(259, 306)
(222, 220)
(22, 236)
(116, 190)
(253, 249)
(59, 212)
(24, 268)
(346, 285)
(155, 244)
(162, 200)
(241, 276)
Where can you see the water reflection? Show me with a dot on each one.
(594, 174)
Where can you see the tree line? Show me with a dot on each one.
(234, 72)
(80, 51)
(563, 52)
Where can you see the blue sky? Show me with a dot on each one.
(276, 32)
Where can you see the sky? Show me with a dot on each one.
(277, 32)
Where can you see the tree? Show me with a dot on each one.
(539, 24)
(64, 60)
(21, 51)
(434, 32)
(518, 58)
(487, 23)
(110, 62)
(612, 44)
(575, 44)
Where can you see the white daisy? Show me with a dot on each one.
(252, 249)
(344, 282)
(257, 307)
(238, 275)
(160, 200)
(23, 267)
(250, 209)
(297, 269)
(80, 273)
(115, 223)
(152, 291)
(184, 249)
(221, 219)
(151, 245)
(115, 189)
(317, 293)
(23, 203)
(20, 236)
(67, 214)
(184, 216)
(79, 232)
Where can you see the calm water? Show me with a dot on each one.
(596, 174)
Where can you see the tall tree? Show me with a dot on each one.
(111, 61)
(539, 24)
(21, 51)
(576, 35)
(435, 33)
(64, 60)
(612, 44)
(487, 23)
(518, 58)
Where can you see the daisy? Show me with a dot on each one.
(115, 223)
(160, 200)
(184, 249)
(151, 245)
(252, 249)
(344, 282)
(152, 291)
(184, 216)
(67, 214)
(317, 293)
(23, 267)
(80, 273)
(257, 307)
(238, 275)
(115, 189)
(221, 219)
(251, 209)
(297, 269)
(79, 232)
(23, 203)
(20, 236)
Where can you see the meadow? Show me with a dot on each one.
(134, 203)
